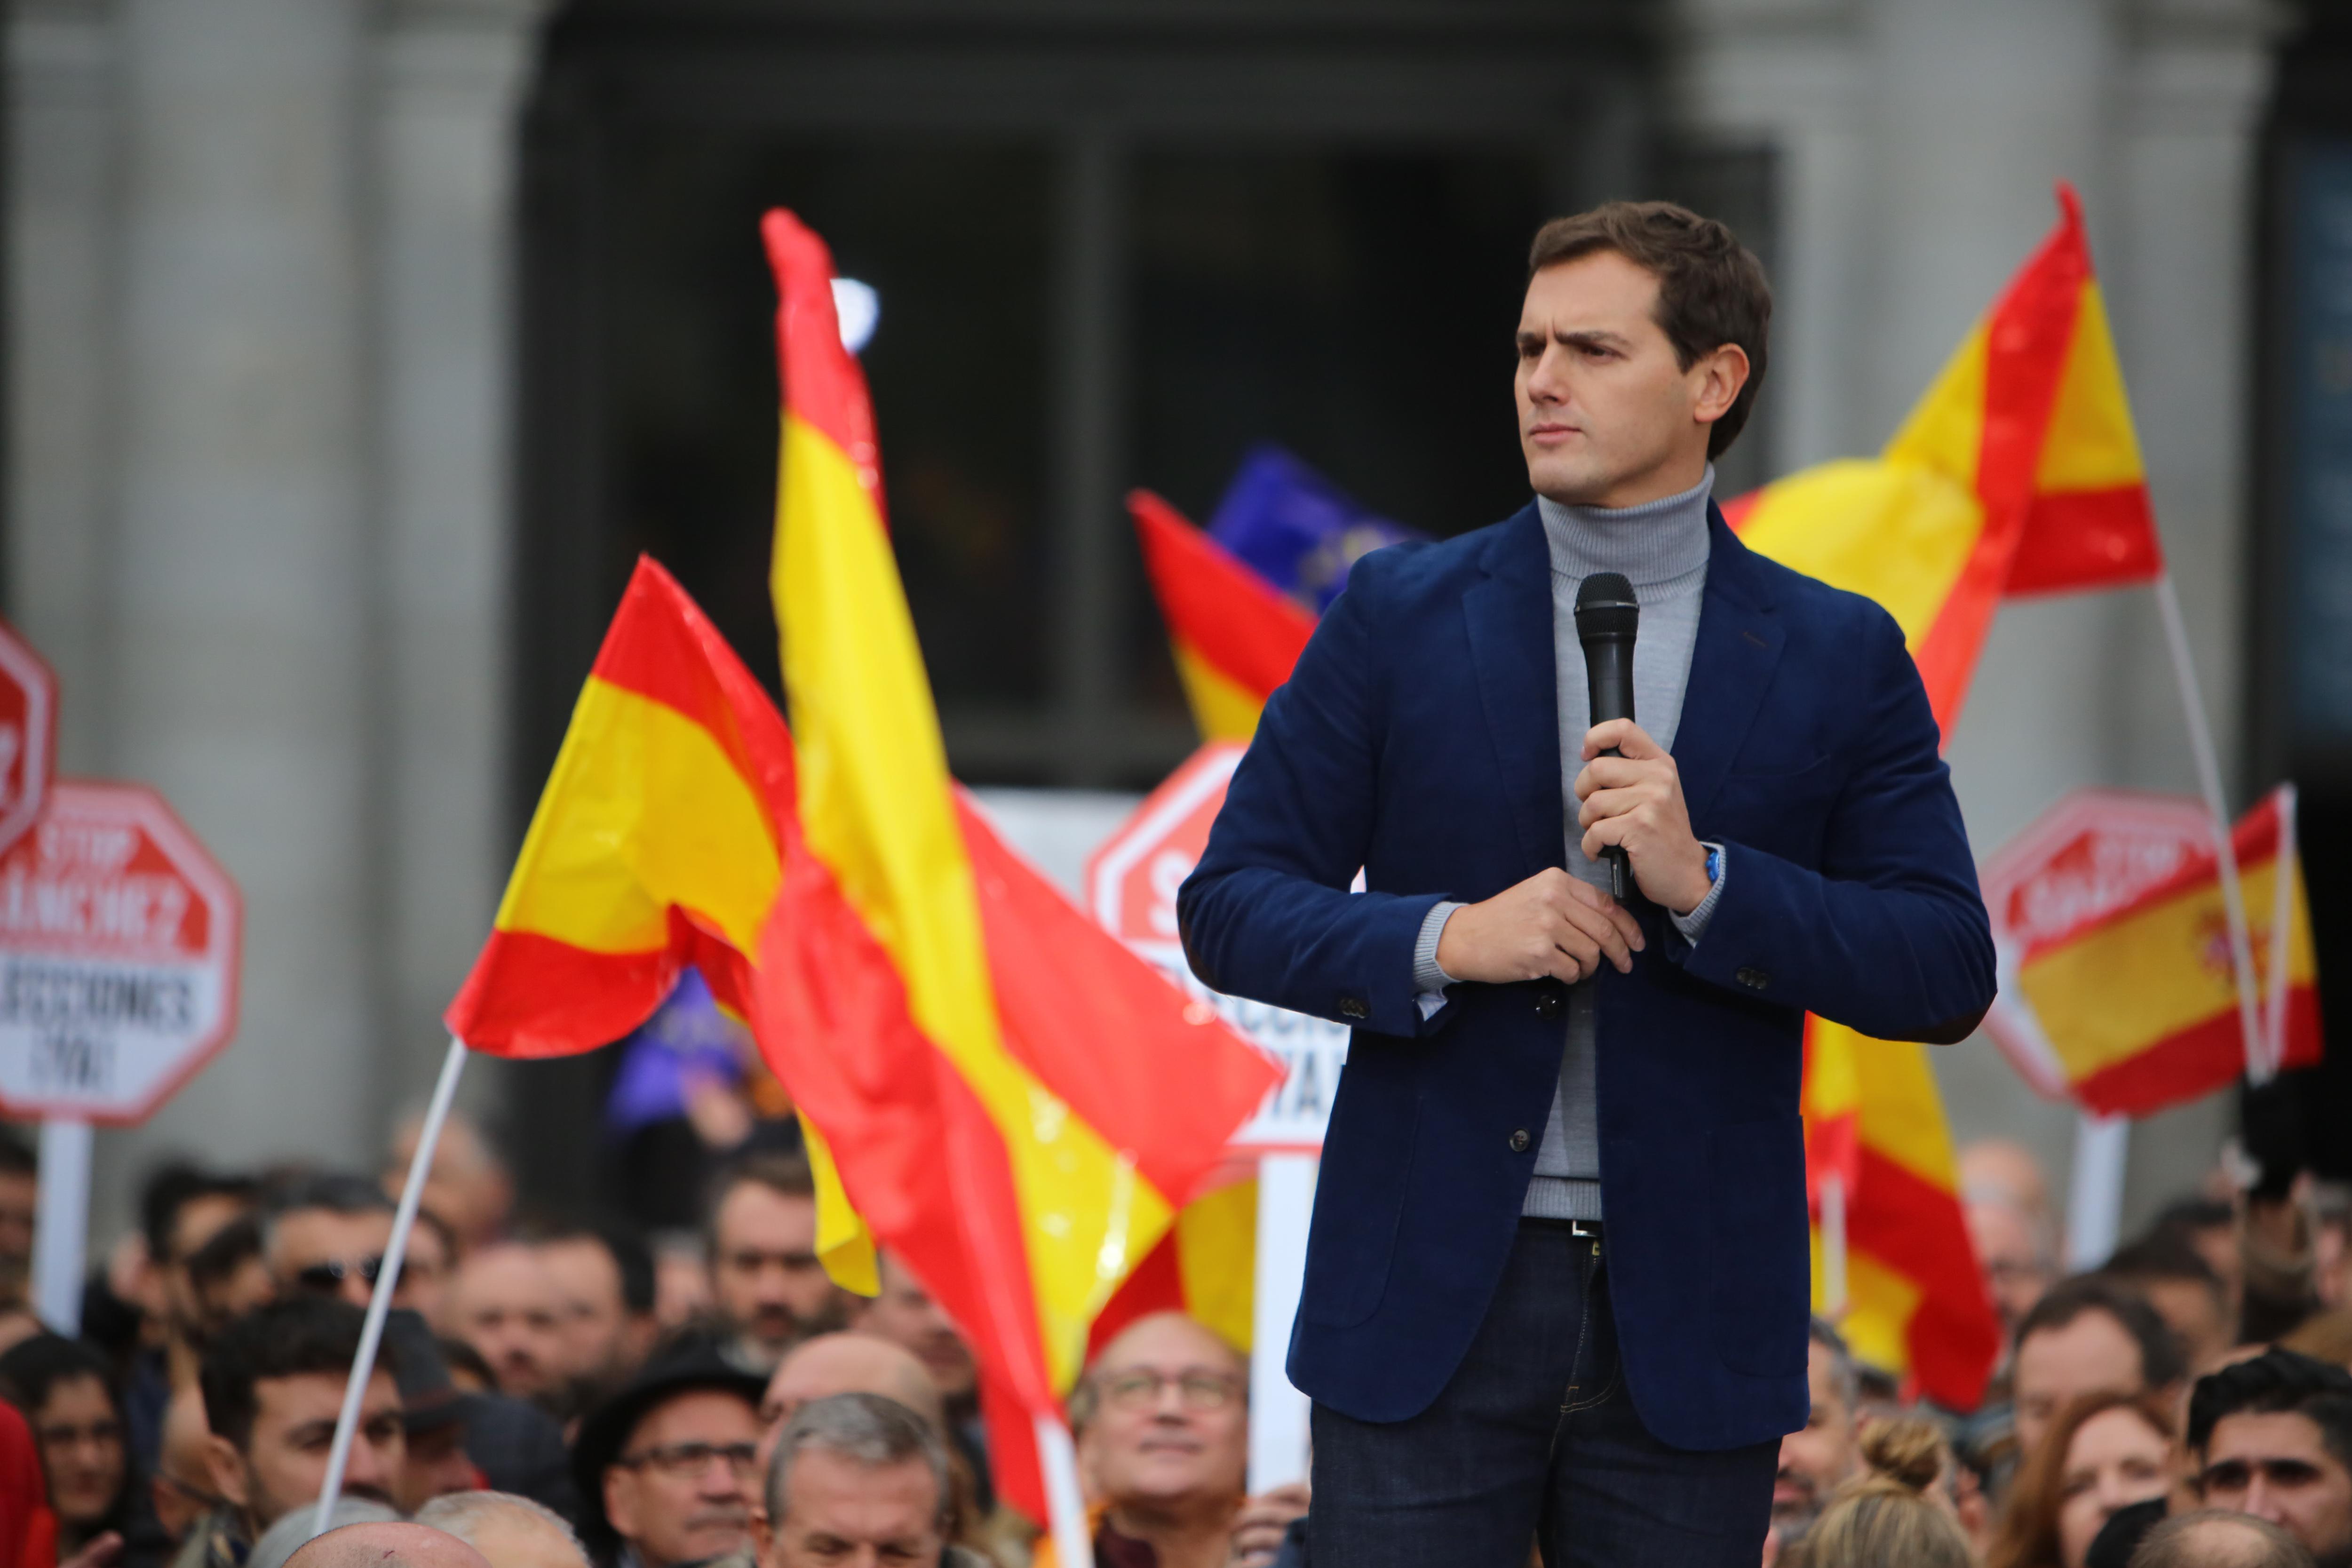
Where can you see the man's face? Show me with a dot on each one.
(284, 1463)
(2017, 1267)
(905, 1314)
(437, 1465)
(1172, 1423)
(466, 1186)
(842, 1514)
(507, 1309)
(2092, 1354)
(2194, 1311)
(1814, 1459)
(220, 1302)
(1607, 416)
(593, 1325)
(329, 1254)
(19, 1196)
(195, 1222)
(81, 1449)
(2277, 1468)
(681, 1489)
(426, 1272)
(764, 1276)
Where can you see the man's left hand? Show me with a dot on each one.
(1635, 800)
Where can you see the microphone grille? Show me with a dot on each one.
(1605, 605)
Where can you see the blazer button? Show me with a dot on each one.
(1547, 1002)
(1519, 1142)
(1753, 978)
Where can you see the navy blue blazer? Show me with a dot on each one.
(1418, 739)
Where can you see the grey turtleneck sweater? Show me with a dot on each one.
(1661, 546)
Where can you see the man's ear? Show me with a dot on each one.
(620, 1500)
(763, 1535)
(227, 1469)
(1720, 375)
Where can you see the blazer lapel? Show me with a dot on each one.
(1510, 624)
(1738, 647)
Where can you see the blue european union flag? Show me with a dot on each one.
(1296, 529)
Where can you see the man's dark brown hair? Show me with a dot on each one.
(1711, 288)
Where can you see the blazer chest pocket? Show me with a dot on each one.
(1784, 813)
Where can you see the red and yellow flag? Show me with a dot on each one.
(656, 842)
(2141, 1006)
(2016, 473)
(1235, 636)
(1014, 1104)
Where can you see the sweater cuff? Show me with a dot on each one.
(1428, 979)
(1694, 925)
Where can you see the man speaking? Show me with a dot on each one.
(1558, 1283)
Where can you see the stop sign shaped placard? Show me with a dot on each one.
(1132, 882)
(2085, 858)
(29, 734)
(118, 945)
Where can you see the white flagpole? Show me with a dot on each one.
(387, 1280)
(1834, 1282)
(1066, 1500)
(2259, 1066)
(2282, 872)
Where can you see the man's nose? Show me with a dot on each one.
(2259, 1503)
(1787, 1460)
(368, 1465)
(354, 1289)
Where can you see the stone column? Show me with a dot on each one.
(447, 75)
(236, 650)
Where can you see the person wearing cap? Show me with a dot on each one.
(667, 1469)
(462, 1442)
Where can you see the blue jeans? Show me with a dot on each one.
(1535, 1440)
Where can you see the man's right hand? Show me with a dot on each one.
(1551, 925)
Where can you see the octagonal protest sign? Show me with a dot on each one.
(29, 734)
(1131, 885)
(2090, 855)
(119, 947)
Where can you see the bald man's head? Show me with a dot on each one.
(846, 1363)
(387, 1546)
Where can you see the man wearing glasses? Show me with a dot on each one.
(1162, 1422)
(668, 1467)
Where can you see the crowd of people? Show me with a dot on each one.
(564, 1391)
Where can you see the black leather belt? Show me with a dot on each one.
(1582, 1227)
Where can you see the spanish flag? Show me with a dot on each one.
(656, 842)
(2018, 473)
(1014, 1103)
(1235, 635)
(2141, 1007)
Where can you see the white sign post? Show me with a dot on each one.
(119, 946)
(1132, 884)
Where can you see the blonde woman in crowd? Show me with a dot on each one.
(1899, 1511)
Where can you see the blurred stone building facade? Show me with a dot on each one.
(355, 346)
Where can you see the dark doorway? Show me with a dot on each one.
(1113, 244)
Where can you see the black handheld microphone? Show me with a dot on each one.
(1607, 615)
